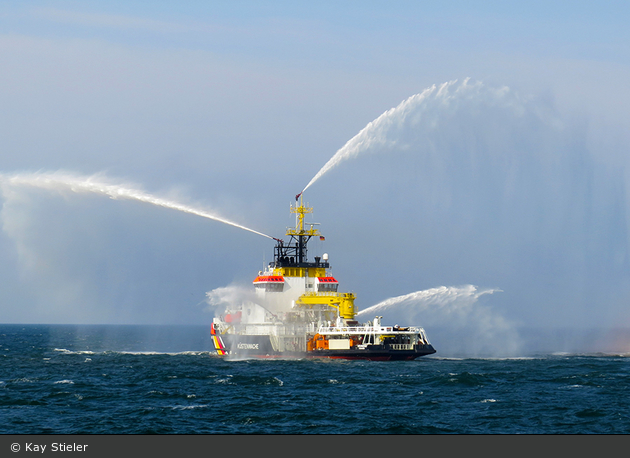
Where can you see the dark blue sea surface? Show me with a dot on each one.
(166, 380)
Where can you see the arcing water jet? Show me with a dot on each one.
(382, 131)
(95, 184)
(460, 325)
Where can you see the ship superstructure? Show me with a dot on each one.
(298, 311)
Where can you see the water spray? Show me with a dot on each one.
(94, 184)
(376, 132)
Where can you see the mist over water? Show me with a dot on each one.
(455, 320)
(225, 296)
(83, 259)
(466, 183)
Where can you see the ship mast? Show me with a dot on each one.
(295, 253)
(301, 235)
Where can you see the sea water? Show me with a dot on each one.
(58, 379)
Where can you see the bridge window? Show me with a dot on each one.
(273, 287)
(327, 287)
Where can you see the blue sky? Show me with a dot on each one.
(236, 105)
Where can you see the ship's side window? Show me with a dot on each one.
(270, 286)
(274, 287)
(327, 287)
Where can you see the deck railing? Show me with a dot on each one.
(364, 330)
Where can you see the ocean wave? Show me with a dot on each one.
(485, 358)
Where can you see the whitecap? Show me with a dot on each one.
(73, 352)
(198, 406)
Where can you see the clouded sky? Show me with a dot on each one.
(514, 181)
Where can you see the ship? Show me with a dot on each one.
(297, 311)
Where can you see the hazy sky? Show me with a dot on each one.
(518, 185)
